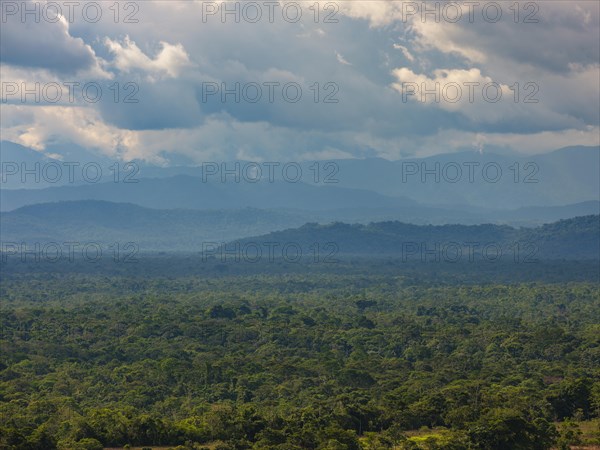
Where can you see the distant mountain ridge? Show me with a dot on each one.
(463, 180)
(188, 230)
(107, 223)
(576, 238)
(565, 176)
(184, 191)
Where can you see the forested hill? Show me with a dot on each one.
(576, 238)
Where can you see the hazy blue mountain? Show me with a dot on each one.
(565, 176)
(453, 180)
(107, 223)
(187, 229)
(527, 216)
(12, 157)
(184, 191)
(576, 238)
(425, 215)
(174, 229)
(12, 152)
(37, 170)
(313, 203)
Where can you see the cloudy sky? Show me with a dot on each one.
(497, 76)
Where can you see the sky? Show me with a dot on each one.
(167, 82)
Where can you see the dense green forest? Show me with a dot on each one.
(349, 356)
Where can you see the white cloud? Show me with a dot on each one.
(169, 61)
(405, 52)
(328, 153)
(465, 91)
(79, 125)
(341, 59)
(447, 38)
(377, 13)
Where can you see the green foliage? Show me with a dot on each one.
(315, 361)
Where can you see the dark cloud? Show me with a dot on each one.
(43, 45)
(170, 55)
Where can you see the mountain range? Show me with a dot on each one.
(576, 238)
(180, 208)
(189, 230)
(468, 181)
